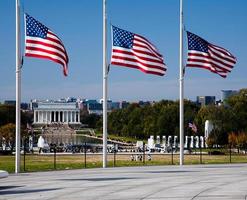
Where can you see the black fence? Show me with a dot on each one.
(84, 156)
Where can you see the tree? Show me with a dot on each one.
(238, 105)
(7, 132)
(222, 119)
(7, 114)
(89, 119)
(241, 140)
(232, 139)
(168, 120)
(135, 125)
(211, 141)
(190, 111)
(149, 121)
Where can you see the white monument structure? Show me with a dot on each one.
(186, 142)
(197, 141)
(157, 139)
(175, 141)
(3, 143)
(151, 142)
(208, 128)
(169, 141)
(191, 141)
(164, 141)
(41, 142)
(48, 112)
(202, 141)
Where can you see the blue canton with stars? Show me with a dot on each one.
(34, 28)
(122, 38)
(197, 43)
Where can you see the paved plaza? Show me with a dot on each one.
(131, 183)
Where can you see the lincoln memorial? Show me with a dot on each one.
(60, 112)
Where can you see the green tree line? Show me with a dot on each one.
(7, 123)
(160, 118)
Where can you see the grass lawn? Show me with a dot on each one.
(77, 161)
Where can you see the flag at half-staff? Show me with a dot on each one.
(43, 43)
(135, 51)
(202, 54)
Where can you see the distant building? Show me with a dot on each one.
(95, 108)
(205, 100)
(70, 99)
(123, 104)
(144, 103)
(10, 102)
(114, 105)
(24, 106)
(33, 104)
(225, 94)
(92, 106)
(47, 112)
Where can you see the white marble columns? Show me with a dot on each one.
(63, 116)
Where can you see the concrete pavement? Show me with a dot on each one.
(131, 183)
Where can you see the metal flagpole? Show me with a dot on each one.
(181, 91)
(105, 72)
(18, 91)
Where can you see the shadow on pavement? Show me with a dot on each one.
(8, 187)
(97, 179)
(23, 191)
(169, 172)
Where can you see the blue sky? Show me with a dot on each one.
(79, 25)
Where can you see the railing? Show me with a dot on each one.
(84, 157)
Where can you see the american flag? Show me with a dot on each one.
(43, 43)
(193, 127)
(135, 51)
(202, 54)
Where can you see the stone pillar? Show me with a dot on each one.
(38, 120)
(46, 116)
(54, 116)
(75, 117)
(50, 117)
(34, 117)
(79, 116)
(64, 116)
(42, 116)
(58, 116)
(38, 117)
(71, 116)
(67, 118)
